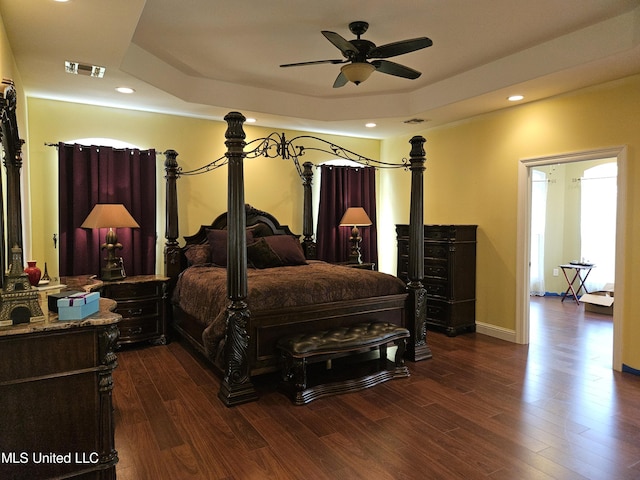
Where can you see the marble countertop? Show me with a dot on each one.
(104, 316)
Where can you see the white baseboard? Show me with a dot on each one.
(497, 332)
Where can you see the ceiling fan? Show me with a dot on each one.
(357, 52)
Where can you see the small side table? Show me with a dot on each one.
(577, 267)
(142, 302)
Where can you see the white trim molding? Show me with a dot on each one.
(523, 248)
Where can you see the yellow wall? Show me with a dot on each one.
(271, 184)
(472, 177)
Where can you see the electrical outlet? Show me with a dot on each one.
(556, 272)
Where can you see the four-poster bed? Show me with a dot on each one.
(239, 333)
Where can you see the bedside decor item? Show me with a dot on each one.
(18, 299)
(110, 215)
(355, 217)
(78, 306)
(33, 272)
(52, 298)
(45, 276)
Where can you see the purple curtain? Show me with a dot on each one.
(90, 175)
(340, 188)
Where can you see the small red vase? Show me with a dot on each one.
(34, 273)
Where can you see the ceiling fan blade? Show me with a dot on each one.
(347, 48)
(400, 48)
(341, 80)
(315, 62)
(392, 68)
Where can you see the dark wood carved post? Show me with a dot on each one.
(308, 245)
(172, 265)
(417, 315)
(3, 250)
(108, 362)
(236, 386)
(13, 163)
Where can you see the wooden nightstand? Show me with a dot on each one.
(142, 302)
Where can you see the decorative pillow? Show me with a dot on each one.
(197, 254)
(218, 245)
(261, 255)
(288, 248)
(260, 230)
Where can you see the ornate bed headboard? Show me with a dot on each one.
(267, 225)
(254, 217)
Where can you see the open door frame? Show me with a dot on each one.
(523, 251)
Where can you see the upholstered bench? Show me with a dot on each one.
(298, 351)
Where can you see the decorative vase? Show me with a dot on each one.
(33, 272)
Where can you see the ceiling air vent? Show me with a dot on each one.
(414, 121)
(81, 69)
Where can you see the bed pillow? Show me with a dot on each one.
(198, 254)
(218, 245)
(288, 248)
(261, 255)
(260, 230)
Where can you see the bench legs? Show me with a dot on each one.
(295, 376)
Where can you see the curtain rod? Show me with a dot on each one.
(158, 150)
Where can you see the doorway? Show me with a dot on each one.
(523, 267)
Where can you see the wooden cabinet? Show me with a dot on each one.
(56, 414)
(142, 302)
(449, 274)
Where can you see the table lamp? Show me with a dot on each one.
(110, 215)
(355, 217)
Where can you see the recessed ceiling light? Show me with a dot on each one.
(61, 1)
(125, 89)
(515, 98)
(251, 120)
(370, 125)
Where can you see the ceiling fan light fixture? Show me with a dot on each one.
(357, 72)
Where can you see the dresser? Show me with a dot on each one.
(142, 302)
(449, 275)
(56, 414)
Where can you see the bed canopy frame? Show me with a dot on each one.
(237, 386)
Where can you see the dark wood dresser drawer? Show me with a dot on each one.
(449, 276)
(131, 309)
(125, 291)
(142, 302)
(141, 329)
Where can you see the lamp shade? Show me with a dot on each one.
(355, 217)
(109, 215)
(357, 72)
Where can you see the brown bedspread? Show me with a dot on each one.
(201, 291)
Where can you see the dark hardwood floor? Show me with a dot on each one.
(481, 408)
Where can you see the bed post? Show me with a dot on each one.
(417, 348)
(308, 245)
(171, 248)
(236, 386)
